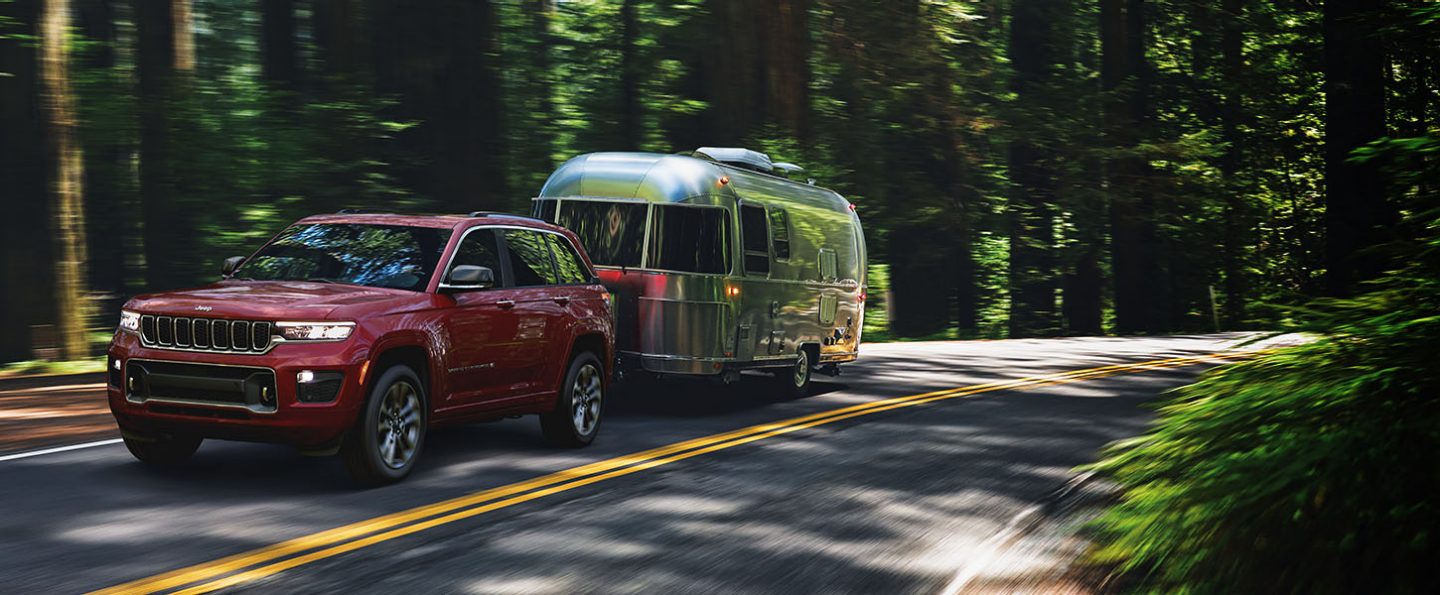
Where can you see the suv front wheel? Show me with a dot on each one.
(576, 418)
(384, 446)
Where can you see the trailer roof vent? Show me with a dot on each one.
(742, 158)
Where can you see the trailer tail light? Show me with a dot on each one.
(862, 296)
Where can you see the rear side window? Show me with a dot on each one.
(568, 265)
(529, 258)
(780, 233)
(480, 248)
(690, 239)
(756, 240)
(613, 233)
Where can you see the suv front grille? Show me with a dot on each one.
(206, 334)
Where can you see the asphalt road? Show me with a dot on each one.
(892, 497)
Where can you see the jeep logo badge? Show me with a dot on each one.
(203, 308)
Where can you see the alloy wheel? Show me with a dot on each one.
(398, 426)
(585, 399)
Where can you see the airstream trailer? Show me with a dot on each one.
(717, 262)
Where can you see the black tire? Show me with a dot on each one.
(387, 439)
(793, 381)
(578, 409)
(162, 451)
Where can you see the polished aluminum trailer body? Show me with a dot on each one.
(715, 268)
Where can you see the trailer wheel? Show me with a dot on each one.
(794, 380)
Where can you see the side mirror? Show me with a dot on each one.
(467, 276)
(228, 267)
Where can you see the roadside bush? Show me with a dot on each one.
(1315, 469)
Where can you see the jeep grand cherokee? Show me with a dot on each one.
(355, 333)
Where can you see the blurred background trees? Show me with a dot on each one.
(1023, 167)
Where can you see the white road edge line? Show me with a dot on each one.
(50, 389)
(47, 451)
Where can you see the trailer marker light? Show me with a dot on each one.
(724, 180)
(732, 291)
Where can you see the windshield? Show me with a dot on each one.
(393, 256)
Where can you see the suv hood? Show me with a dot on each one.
(275, 300)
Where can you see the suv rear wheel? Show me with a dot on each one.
(576, 418)
(384, 446)
(162, 451)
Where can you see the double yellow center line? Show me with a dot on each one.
(267, 561)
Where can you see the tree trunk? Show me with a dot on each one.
(280, 61)
(1139, 286)
(1031, 214)
(736, 90)
(337, 25)
(632, 129)
(1237, 226)
(787, 76)
(183, 34)
(1357, 213)
(540, 14)
(165, 58)
(25, 244)
(109, 216)
(67, 193)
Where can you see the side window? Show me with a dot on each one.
(780, 233)
(755, 240)
(568, 265)
(529, 258)
(479, 248)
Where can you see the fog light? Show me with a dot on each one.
(317, 387)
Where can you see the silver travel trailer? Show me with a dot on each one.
(718, 263)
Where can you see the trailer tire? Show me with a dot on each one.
(793, 381)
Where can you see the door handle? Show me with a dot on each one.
(562, 300)
(505, 304)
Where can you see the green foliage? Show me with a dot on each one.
(1311, 469)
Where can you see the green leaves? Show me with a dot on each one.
(1310, 470)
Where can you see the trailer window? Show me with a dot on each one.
(613, 233)
(756, 239)
(690, 239)
(780, 233)
(545, 210)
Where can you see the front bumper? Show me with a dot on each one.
(211, 407)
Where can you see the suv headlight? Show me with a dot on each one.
(129, 321)
(315, 331)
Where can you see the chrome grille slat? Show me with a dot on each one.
(166, 334)
(201, 328)
(240, 335)
(259, 336)
(184, 332)
(220, 334)
(206, 334)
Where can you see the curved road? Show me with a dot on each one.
(901, 476)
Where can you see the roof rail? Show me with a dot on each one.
(500, 214)
(348, 211)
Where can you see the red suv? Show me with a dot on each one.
(354, 333)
